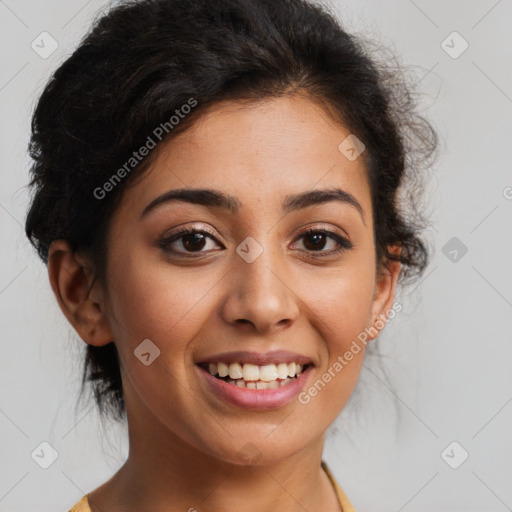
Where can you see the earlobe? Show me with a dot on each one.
(72, 283)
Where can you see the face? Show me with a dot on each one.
(265, 279)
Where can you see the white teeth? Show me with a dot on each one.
(282, 371)
(251, 372)
(252, 376)
(235, 371)
(268, 372)
(222, 369)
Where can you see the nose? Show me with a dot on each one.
(260, 295)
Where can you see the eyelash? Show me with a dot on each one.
(344, 243)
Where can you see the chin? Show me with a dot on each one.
(257, 446)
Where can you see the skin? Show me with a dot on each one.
(184, 441)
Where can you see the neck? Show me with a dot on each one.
(162, 470)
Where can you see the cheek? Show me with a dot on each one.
(341, 301)
(344, 311)
(152, 303)
(340, 309)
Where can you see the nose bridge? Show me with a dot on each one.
(259, 292)
(257, 271)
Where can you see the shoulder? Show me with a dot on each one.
(82, 505)
(346, 506)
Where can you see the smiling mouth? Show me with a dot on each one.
(251, 376)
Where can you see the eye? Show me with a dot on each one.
(191, 241)
(195, 240)
(316, 239)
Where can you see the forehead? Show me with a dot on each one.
(258, 152)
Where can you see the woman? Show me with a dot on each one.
(216, 196)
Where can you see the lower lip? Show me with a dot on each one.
(256, 399)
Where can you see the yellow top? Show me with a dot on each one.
(346, 506)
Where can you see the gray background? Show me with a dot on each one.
(447, 354)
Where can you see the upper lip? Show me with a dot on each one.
(260, 359)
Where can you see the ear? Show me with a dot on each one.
(79, 297)
(385, 286)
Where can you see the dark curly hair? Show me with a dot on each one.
(144, 59)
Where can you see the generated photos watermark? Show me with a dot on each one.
(343, 360)
(156, 136)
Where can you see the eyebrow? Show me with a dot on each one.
(216, 198)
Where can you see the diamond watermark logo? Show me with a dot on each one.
(454, 455)
(44, 45)
(454, 249)
(44, 455)
(146, 352)
(351, 147)
(454, 45)
(249, 453)
(249, 249)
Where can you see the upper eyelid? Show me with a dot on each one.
(343, 233)
(184, 230)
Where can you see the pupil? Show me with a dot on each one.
(318, 241)
(196, 237)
